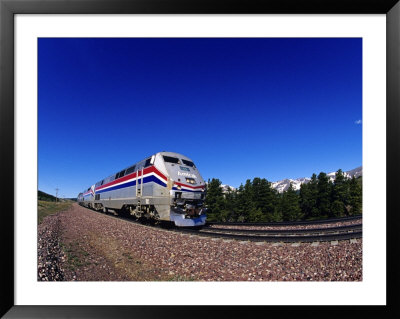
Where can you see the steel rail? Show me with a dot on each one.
(289, 223)
(288, 231)
(269, 238)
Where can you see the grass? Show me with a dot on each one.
(46, 208)
(75, 255)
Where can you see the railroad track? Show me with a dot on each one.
(290, 223)
(291, 236)
(338, 229)
(285, 235)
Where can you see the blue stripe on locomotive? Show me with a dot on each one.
(147, 179)
(185, 190)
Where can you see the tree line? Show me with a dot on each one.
(46, 197)
(257, 201)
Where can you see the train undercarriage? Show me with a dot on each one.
(182, 213)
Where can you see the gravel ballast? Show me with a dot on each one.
(50, 254)
(93, 246)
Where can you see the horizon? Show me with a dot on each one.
(240, 108)
(206, 181)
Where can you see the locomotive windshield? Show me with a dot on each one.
(170, 159)
(188, 163)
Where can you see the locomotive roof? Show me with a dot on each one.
(174, 154)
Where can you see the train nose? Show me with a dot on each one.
(192, 210)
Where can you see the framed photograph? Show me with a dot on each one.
(195, 90)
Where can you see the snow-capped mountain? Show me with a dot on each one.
(226, 187)
(283, 185)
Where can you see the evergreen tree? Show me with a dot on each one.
(337, 208)
(355, 196)
(256, 192)
(264, 198)
(268, 200)
(304, 200)
(314, 196)
(308, 198)
(240, 205)
(276, 216)
(340, 195)
(228, 213)
(256, 215)
(290, 206)
(324, 195)
(249, 205)
(214, 200)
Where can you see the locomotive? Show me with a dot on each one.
(166, 186)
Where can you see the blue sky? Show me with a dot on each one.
(240, 108)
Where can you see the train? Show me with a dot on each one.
(164, 187)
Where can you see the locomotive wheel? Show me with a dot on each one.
(117, 212)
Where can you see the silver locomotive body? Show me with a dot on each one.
(165, 186)
(86, 197)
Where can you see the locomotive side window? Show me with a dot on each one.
(188, 163)
(120, 174)
(148, 162)
(130, 170)
(169, 159)
(99, 183)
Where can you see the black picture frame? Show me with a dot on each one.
(8, 8)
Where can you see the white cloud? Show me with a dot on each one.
(358, 122)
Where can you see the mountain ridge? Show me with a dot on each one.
(283, 184)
